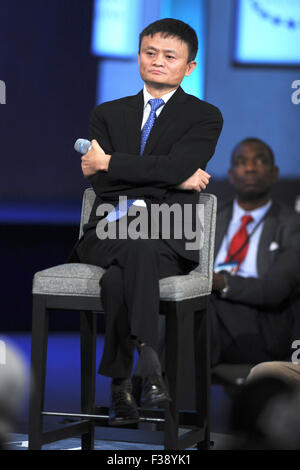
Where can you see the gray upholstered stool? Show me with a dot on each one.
(78, 279)
(76, 287)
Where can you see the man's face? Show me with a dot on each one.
(163, 61)
(252, 173)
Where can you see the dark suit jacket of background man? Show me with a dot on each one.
(182, 140)
(263, 304)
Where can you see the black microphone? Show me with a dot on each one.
(82, 146)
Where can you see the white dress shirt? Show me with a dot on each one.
(248, 268)
(147, 109)
(147, 106)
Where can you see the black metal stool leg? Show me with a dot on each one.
(173, 358)
(88, 334)
(202, 373)
(39, 343)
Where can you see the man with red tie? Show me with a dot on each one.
(256, 265)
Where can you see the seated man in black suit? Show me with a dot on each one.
(152, 148)
(256, 264)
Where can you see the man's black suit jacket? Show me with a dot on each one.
(267, 299)
(183, 139)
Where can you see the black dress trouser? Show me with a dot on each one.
(130, 293)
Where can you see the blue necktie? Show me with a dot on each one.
(155, 103)
(122, 209)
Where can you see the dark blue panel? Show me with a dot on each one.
(268, 32)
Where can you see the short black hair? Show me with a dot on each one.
(173, 27)
(253, 140)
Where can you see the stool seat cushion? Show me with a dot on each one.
(78, 279)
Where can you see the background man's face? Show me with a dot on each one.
(163, 61)
(252, 173)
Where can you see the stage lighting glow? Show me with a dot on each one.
(268, 32)
(116, 28)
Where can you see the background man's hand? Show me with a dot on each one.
(198, 181)
(218, 281)
(95, 159)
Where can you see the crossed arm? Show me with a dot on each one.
(96, 159)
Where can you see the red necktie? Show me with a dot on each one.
(240, 242)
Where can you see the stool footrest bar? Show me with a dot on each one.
(144, 419)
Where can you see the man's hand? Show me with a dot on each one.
(218, 281)
(198, 181)
(94, 160)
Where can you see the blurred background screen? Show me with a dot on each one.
(268, 32)
(60, 58)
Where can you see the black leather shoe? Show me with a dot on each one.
(154, 392)
(123, 409)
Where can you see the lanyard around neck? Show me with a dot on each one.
(249, 235)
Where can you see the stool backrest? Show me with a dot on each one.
(88, 199)
(207, 209)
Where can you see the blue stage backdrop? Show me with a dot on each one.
(59, 58)
(118, 53)
(256, 100)
(268, 32)
(50, 76)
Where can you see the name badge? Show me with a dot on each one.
(231, 268)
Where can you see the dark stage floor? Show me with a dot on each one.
(63, 394)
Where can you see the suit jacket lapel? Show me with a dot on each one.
(264, 255)
(133, 116)
(269, 234)
(166, 119)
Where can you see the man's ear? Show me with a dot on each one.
(230, 176)
(190, 67)
(275, 173)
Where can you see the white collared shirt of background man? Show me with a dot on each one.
(248, 267)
